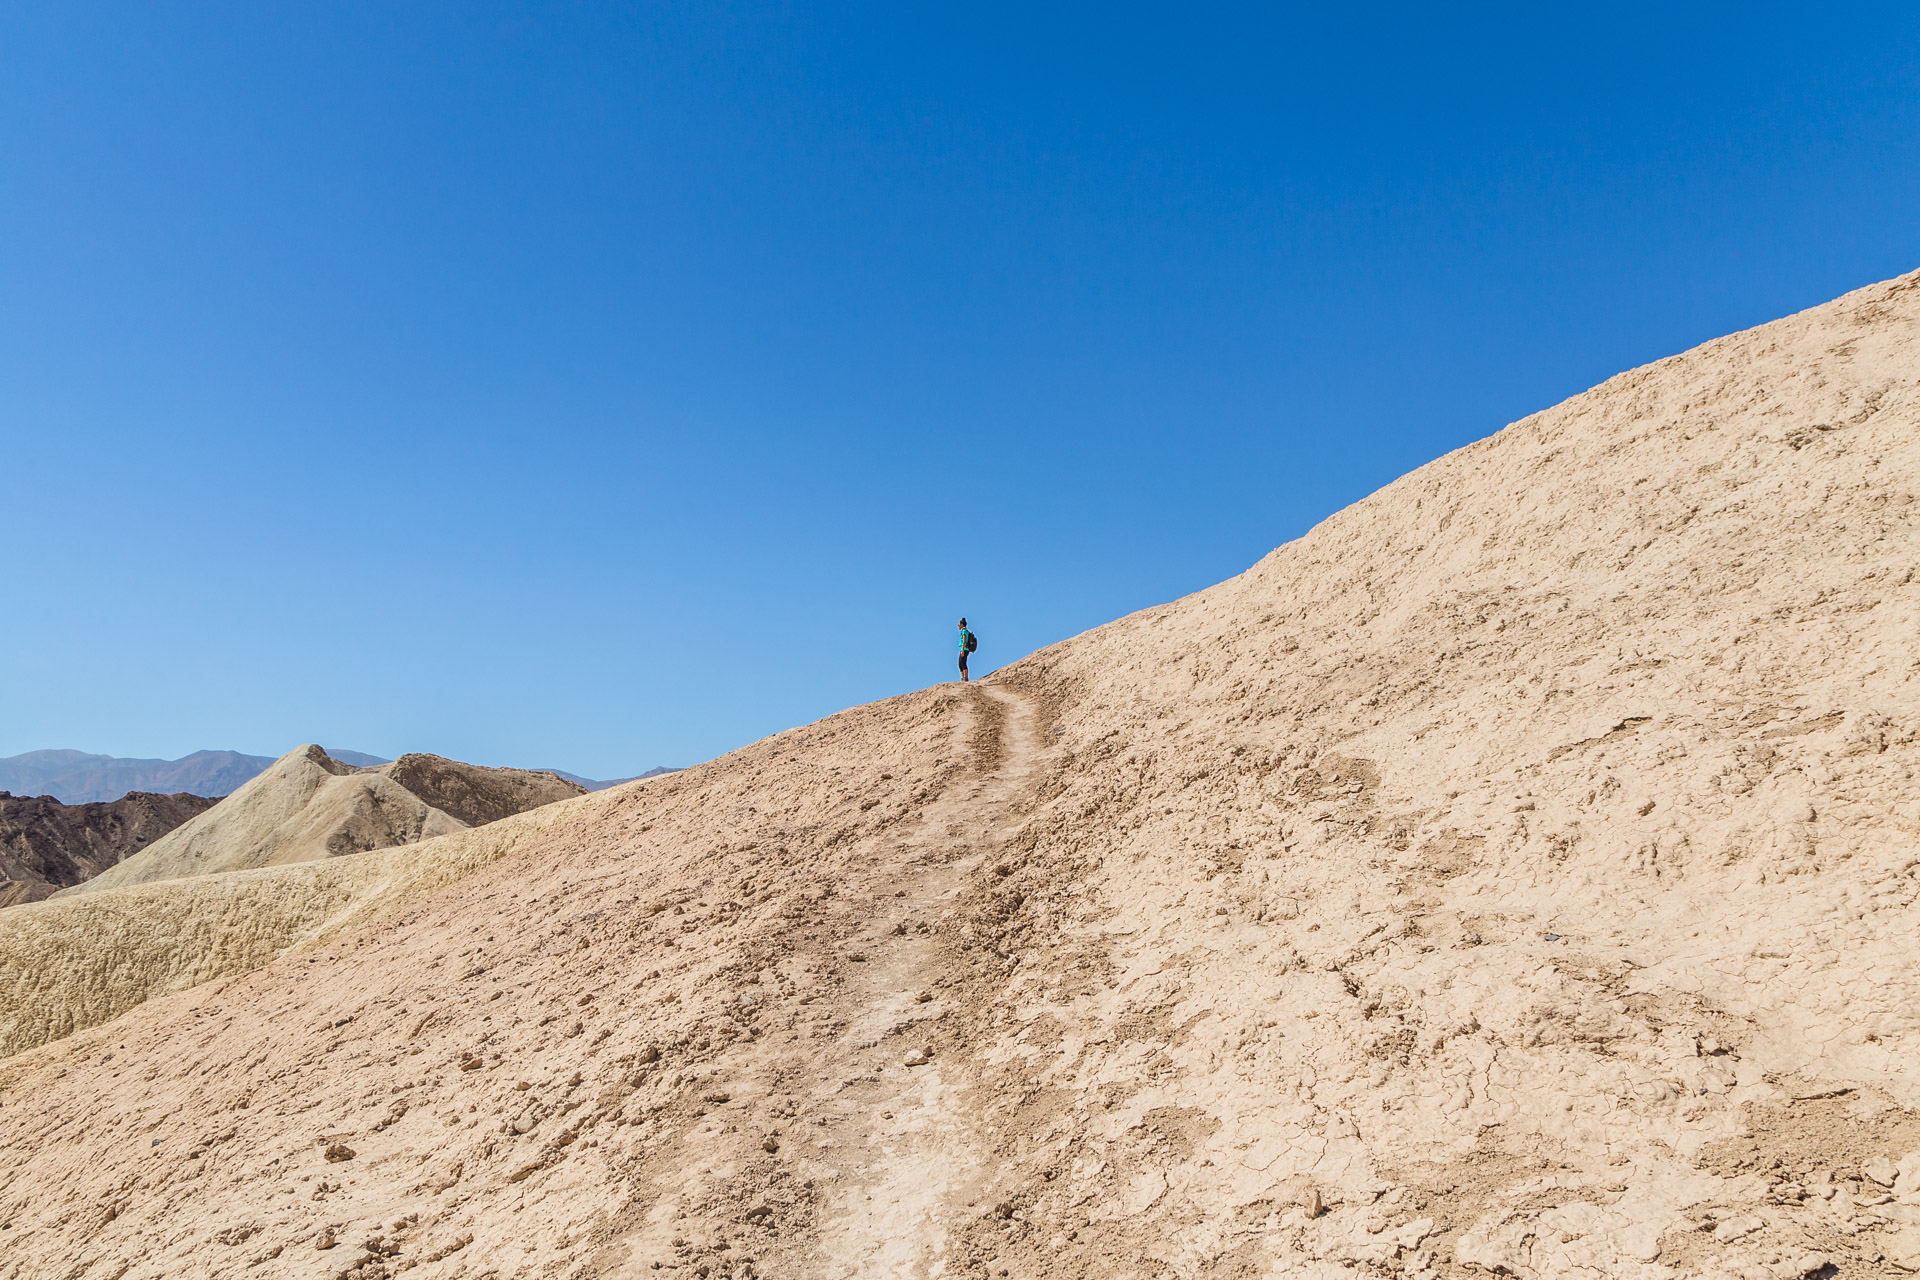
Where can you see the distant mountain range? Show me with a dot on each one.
(76, 777)
(596, 785)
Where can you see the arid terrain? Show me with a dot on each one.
(307, 805)
(46, 845)
(79, 777)
(1518, 874)
(177, 913)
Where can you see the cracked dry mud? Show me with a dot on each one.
(1516, 875)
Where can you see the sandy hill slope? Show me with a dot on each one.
(76, 962)
(264, 873)
(46, 845)
(307, 805)
(1515, 875)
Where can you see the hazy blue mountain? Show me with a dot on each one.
(77, 777)
(358, 759)
(596, 784)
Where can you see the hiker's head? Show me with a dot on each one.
(963, 622)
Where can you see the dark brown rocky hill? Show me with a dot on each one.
(46, 845)
(472, 793)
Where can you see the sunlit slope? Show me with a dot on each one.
(76, 962)
(1515, 874)
(1509, 852)
(307, 805)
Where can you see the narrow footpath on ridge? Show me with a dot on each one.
(911, 1157)
(847, 1137)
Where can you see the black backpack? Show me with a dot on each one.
(973, 642)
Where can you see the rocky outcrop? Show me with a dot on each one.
(472, 794)
(45, 845)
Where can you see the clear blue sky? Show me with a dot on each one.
(600, 386)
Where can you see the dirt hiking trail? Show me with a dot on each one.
(913, 1158)
(878, 1156)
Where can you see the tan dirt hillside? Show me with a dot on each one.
(1515, 875)
(46, 845)
(307, 805)
(77, 962)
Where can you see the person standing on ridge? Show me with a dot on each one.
(968, 643)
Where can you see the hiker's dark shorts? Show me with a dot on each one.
(963, 659)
